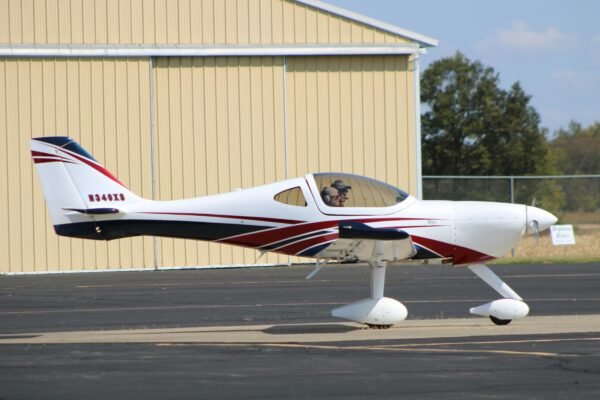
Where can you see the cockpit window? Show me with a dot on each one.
(292, 197)
(346, 190)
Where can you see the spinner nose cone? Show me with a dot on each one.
(538, 220)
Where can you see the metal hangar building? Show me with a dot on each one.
(192, 98)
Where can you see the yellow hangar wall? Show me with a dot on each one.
(352, 114)
(102, 103)
(220, 126)
(179, 22)
(219, 123)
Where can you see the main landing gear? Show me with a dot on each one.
(376, 311)
(379, 312)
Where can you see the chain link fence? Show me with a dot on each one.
(574, 199)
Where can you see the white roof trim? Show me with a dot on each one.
(108, 50)
(423, 40)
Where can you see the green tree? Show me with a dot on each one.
(473, 127)
(576, 151)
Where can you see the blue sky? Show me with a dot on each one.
(552, 47)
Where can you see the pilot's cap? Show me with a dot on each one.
(340, 185)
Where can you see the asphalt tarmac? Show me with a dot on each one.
(267, 333)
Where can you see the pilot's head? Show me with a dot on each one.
(340, 185)
(330, 196)
(342, 190)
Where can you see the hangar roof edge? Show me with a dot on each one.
(170, 50)
(422, 40)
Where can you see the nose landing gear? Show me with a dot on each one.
(504, 310)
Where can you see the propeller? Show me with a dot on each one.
(535, 226)
(537, 220)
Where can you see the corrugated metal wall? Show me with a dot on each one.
(104, 104)
(352, 114)
(183, 21)
(218, 122)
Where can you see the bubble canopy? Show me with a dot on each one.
(348, 190)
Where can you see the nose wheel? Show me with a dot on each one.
(375, 326)
(504, 310)
(499, 321)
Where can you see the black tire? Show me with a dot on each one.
(499, 321)
(375, 326)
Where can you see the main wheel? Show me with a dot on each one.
(499, 321)
(374, 326)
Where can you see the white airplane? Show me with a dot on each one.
(332, 217)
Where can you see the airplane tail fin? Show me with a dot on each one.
(78, 190)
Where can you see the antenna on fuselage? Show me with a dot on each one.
(318, 267)
(262, 253)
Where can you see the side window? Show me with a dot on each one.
(292, 197)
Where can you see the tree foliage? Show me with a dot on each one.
(473, 127)
(577, 149)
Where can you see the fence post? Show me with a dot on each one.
(512, 201)
(512, 189)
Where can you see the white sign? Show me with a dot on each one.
(562, 234)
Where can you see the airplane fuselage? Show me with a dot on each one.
(454, 231)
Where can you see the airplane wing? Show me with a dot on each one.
(360, 242)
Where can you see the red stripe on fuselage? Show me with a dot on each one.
(442, 248)
(262, 238)
(461, 255)
(265, 219)
(266, 237)
(298, 247)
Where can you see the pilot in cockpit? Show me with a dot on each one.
(336, 194)
(329, 196)
(342, 189)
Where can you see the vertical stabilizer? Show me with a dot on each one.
(76, 187)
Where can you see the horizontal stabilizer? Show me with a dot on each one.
(94, 211)
(357, 230)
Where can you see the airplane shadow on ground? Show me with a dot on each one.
(310, 329)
